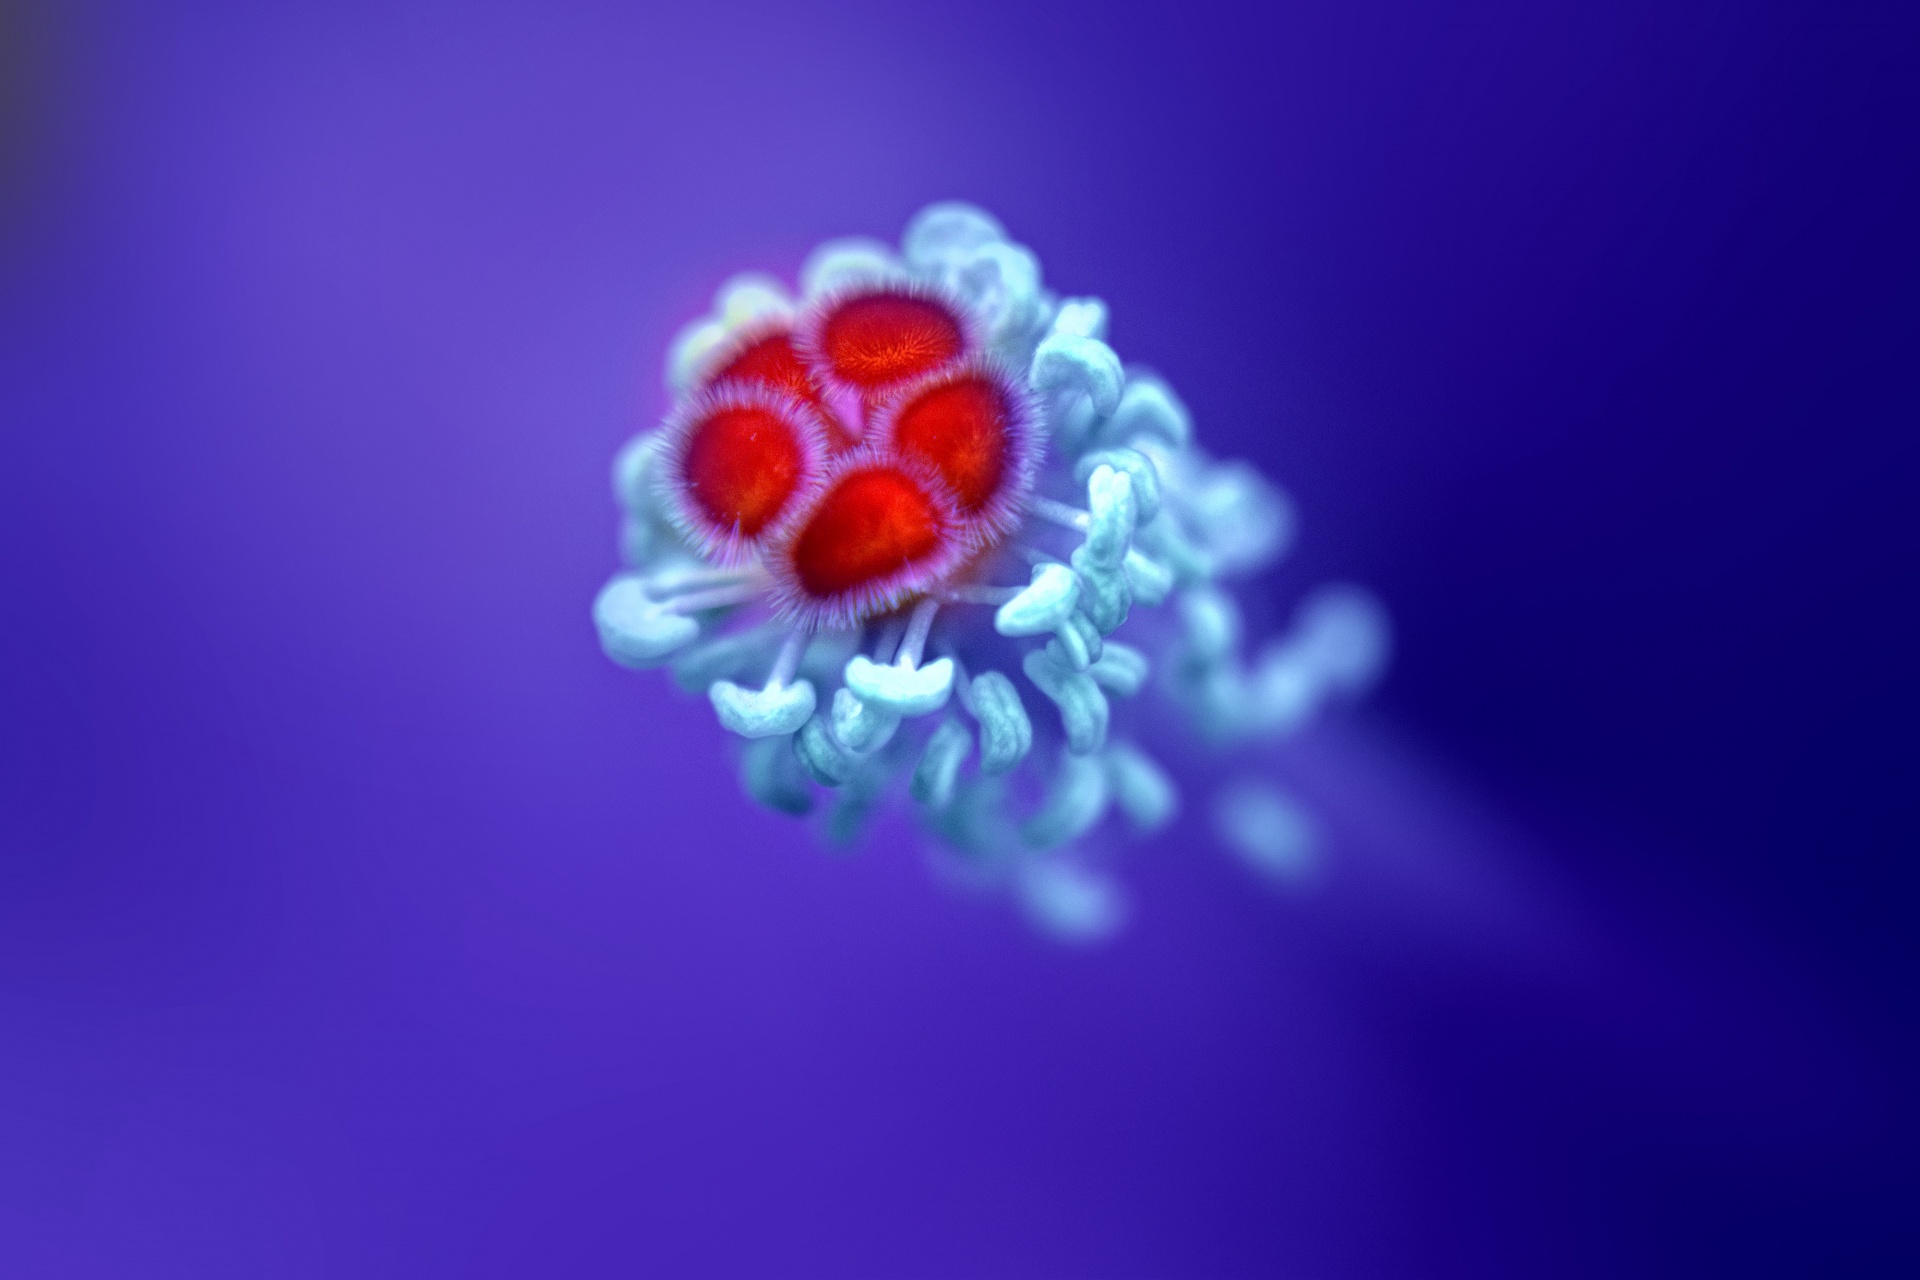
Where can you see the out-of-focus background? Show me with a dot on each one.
(357, 918)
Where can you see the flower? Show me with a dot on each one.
(918, 529)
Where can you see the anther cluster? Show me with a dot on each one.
(917, 529)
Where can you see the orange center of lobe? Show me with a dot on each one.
(878, 339)
(960, 427)
(871, 524)
(742, 464)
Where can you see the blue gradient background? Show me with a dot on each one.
(358, 919)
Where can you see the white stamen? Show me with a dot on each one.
(712, 598)
(889, 638)
(666, 585)
(788, 662)
(917, 628)
(1059, 513)
(978, 594)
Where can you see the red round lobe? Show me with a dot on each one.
(742, 464)
(870, 341)
(772, 361)
(959, 427)
(873, 522)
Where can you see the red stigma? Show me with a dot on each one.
(874, 340)
(959, 426)
(742, 464)
(874, 522)
(771, 360)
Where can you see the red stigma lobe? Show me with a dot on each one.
(959, 427)
(873, 522)
(772, 361)
(742, 464)
(870, 341)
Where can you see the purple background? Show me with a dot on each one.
(357, 918)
